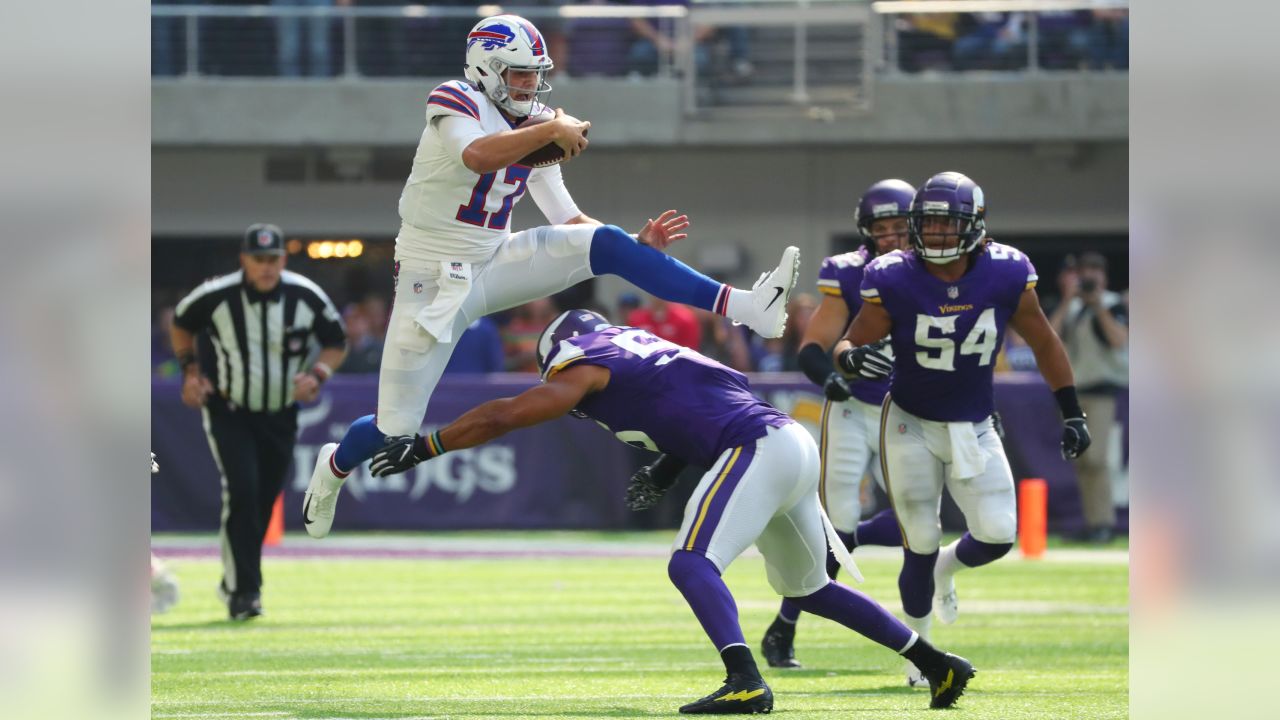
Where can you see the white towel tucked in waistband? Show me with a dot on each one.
(455, 285)
(967, 458)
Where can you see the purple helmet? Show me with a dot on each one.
(954, 196)
(570, 323)
(885, 199)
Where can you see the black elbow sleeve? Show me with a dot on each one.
(815, 363)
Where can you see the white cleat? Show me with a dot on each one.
(771, 293)
(945, 603)
(321, 499)
(915, 678)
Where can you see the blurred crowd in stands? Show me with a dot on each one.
(507, 342)
(301, 46)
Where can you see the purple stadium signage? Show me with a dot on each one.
(565, 474)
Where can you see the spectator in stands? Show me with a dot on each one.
(654, 43)
(289, 31)
(925, 41)
(1109, 39)
(365, 353)
(479, 350)
(598, 46)
(1093, 324)
(520, 336)
(163, 362)
(991, 41)
(1064, 38)
(723, 342)
(628, 302)
(669, 321)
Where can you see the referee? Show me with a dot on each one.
(264, 324)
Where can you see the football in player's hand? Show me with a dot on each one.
(547, 155)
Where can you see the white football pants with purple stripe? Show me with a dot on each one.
(765, 493)
(850, 450)
(531, 264)
(916, 456)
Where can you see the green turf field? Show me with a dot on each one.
(599, 637)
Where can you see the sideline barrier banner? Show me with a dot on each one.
(566, 474)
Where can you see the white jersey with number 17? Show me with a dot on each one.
(449, 212)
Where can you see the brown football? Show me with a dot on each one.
(547, 155)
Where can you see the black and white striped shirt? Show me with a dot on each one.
(260, 340)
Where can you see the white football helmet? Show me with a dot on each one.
(501, 42)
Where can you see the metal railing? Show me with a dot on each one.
(242, 35)
(762, 53)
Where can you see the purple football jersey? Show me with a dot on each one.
(841, 276)
(665, 397)
(946, 334)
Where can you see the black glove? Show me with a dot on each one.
(400, 453)
(866, 362)
(1075, 438)
(642, 492)
(836, 388)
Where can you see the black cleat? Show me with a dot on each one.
(947, 684)
(240, 606)
(741, 695)
(778, 646)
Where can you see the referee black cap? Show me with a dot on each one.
(263, 239)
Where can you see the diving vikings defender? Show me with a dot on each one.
(850, 440)
(761, 486)
(946, 304)
(457, 260)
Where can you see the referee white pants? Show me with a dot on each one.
(916, 455)
(850, 450)
(765, 493)
(531, 264)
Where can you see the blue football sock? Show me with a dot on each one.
(614, 252)
(362, 440)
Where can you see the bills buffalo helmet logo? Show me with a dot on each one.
(491, 37)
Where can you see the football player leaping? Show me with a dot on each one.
(761, 487)
(456, 260)
(945, 304)
(850, 441)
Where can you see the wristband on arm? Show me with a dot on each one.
(186, 359)
(428, 446)
(321, 372)
(815, 363)
(1068, 402)
(664, 471)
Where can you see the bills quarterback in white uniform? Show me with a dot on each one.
(456, 259)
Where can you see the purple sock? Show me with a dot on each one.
(915, 582)
(789, 611)
(881, 529)
(699, 581)
(858, 613)
(974, 553)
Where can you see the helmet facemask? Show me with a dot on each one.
(942, 235)
(500, 44)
